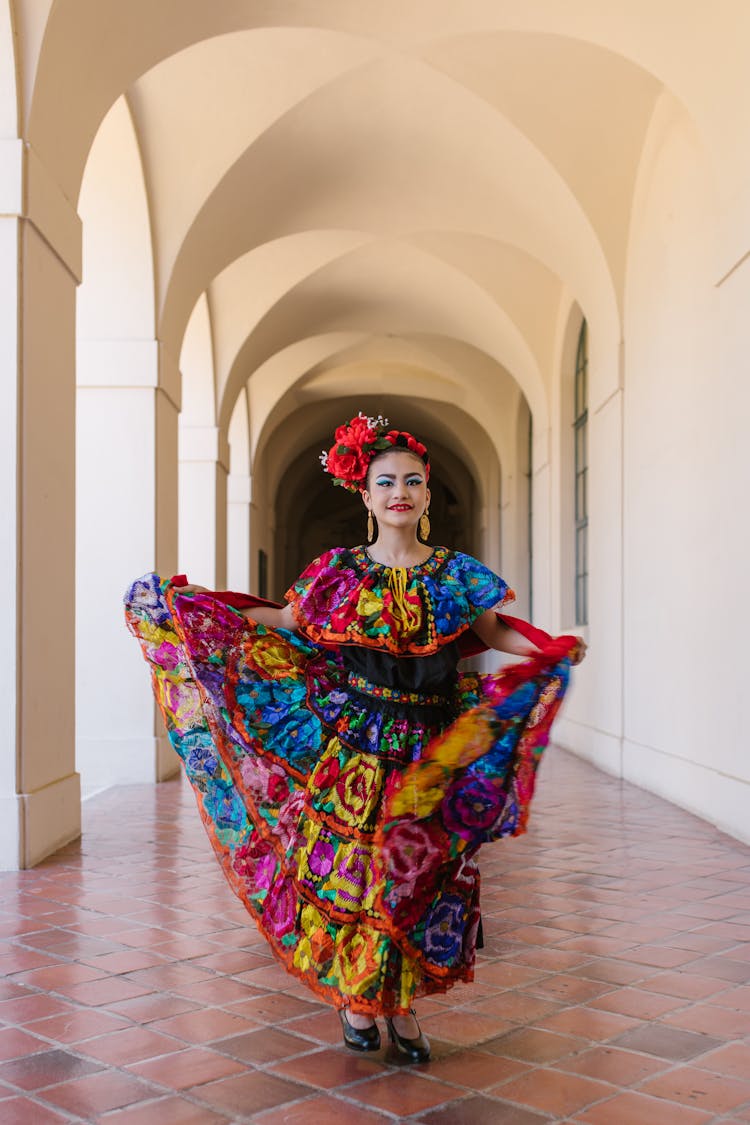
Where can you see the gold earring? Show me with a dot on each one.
(370, 527)
(424, 524)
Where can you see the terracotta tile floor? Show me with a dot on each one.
(614, 987)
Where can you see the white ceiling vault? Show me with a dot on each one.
(411, 195)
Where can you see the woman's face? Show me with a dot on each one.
(397, 491)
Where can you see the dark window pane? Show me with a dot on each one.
(580, 446)
(581, 601)
(581, 496)
(580, 395)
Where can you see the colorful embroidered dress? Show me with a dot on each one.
(346, 773)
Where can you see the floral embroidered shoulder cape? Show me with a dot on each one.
(345, 597)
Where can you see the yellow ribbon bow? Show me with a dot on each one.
(407, 616)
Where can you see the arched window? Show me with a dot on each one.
(580, 432)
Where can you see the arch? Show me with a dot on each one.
(115, 300)
(358, 294)
(337, 384)
(260, 201)
(255, 285)
(239, 70)
(69, 38)
(255, 282)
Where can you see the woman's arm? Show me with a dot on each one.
(501, 637)
(281, 618)
(276, 618)
(496, 634)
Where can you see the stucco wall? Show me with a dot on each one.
(686, 534)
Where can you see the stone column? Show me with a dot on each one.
(40, 266)
(127, 512)
(239, 497)
(204, 467)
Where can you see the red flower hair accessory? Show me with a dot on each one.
(357, 442)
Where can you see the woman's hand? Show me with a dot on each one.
(580, 651)
(191, 589)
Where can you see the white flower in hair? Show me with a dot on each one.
(376, 423)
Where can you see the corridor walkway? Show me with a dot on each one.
(614, 988)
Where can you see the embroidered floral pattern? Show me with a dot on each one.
(380, 691)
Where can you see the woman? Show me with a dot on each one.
(344, 770)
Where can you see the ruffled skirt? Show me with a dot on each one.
(345, 816)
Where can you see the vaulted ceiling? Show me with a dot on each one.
(410, 195)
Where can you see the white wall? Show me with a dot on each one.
(685, 492)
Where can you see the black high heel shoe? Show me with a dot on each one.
(415, 1050)
(359, 1038)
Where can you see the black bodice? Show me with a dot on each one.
(428, 675)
